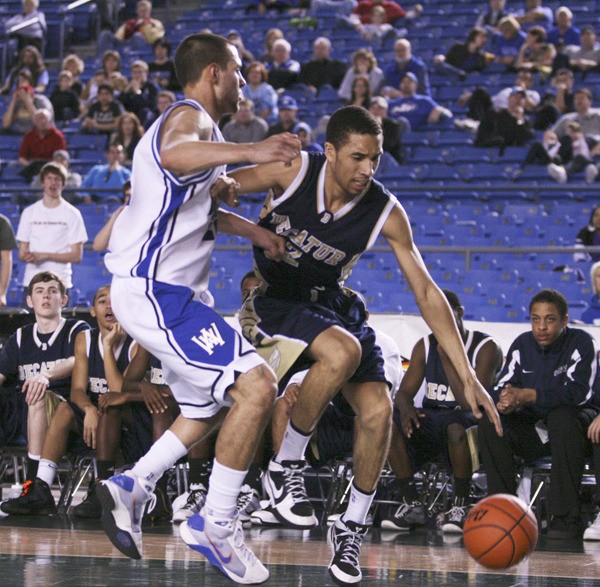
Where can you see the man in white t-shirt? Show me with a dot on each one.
(51, 232)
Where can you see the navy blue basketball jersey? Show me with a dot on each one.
(29, 352)
(322, 247)
(97, 383)
(438, 393)
(156, 371)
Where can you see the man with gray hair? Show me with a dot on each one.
(245, 126)
(321, 69)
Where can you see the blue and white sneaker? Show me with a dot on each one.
(222, 543)
(123, 498)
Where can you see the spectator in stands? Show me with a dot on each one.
(39, 144)
(140, 94)
(535, 14)
(40, 356)
(103, 237)
(440, 426)
(7, 245)
(128, 133)
(283, 70)
(304, 133)
(103, 113)
(271, 36)
(364, 63)
(361, 92)
(109, 176)
(535, 53)
(544, 152)
(30, 59)
(65, 100)
(377, 29)
(33, 34)
(585, 115)
(235, 38)
(136, 33)
(589, 236)
(288, 110)
(404, 62)
(587, 57)
(322, 69)
(392, 129)
(73, 178)
(492, 17)
(561, 90)
(163, 100)
(564, 33)
(393, 11)
(463, 58)
(507, 43)
(51, 232)
(24, 103)
(245, 126)
(161, 71)
(76, 66)
(545, 398)
(417, 109)
(591, 315)
(111, 63)
(577, 153)
(260, 92)
(507, 127)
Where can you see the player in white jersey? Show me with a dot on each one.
(160, 253)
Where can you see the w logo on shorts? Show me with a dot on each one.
(209, 338)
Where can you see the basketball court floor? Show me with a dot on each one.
(59, 550)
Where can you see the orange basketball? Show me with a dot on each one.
(500, 531)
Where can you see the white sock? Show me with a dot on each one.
(34, 457)
(293, 445)
(358, 506)
(223, 489)
(163, 454)
(46, 471)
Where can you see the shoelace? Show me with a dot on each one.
(26, 487)
(151, 503)
(195, 499)
(456, 513)
(240, 545)
(294, 483)
(350, 546)
(404, 508)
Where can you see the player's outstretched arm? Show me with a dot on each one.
(437, 314)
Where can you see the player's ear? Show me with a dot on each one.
(214, 71)
(329, 151)
(64, 300)
(29, 301)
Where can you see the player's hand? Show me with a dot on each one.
(113, 337)
(226, 190)
(477, 397)
(90, 425)
(110, 400)
(409, 417)
(155, 397)
(283, 147)
(272, 244)
(35, 389)
(593, 432)
(291, 394)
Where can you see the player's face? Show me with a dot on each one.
(248, 285)
(232, 82)
(102, 309)
(353, 166)
(46, 299)
(546, 323)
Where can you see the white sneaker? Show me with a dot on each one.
(591, 173)
(557, 172)
(222, 543)
(264, 516)
(592, 532)
(189, 503)
(248, 501)
(345, 540)
(15, 491)
(123, 498)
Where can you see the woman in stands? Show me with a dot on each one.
(591, 315)
(111, 63)
(364, 63)
(76, 66)
(260, 92)
(535, 53)
(361, 92)
(29, 58)
(129, 132)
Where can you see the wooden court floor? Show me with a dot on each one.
(48, 551)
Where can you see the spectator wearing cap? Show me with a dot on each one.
(103, 113)
(392, 129)
(235, 38)
(364, 63)
(564, 33)
(587, 57)
(283, 70)
(161, 71)
(65, 100)
(304, 133)
(73, 178)
(417, 109)
(260, 92)
(322, 69)
(245, 126)
(288, 110)
(404, 62)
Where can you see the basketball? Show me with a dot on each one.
(500, 531)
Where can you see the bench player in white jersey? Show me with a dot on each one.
(160, 251)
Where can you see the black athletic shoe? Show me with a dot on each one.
(405, 517)
(36, 499)
(90, 507)
(345, 540)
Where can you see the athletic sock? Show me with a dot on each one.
(33, 462)
(200, 470)
(223, 489)
(293, 445)
(105, 469)
(358, 505)
(163, 454)
(46, 471)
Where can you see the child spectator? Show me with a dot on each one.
(65, 100)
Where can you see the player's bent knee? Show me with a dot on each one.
(377, 416)
(343, 355)
(456, 434)
(258, 385)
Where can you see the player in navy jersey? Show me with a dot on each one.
(39, 358)
(439, 427)
(330, 210)
(160, 250)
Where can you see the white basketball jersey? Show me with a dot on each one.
(168, 230)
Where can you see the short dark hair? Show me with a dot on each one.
(163, 43)
(350, 120)
(45, 277)
(585, 91)
(250, 275)
(105, 286)
(56, 168)
(107, 87)
(196, 52)
(452, 298)
(551, 296)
